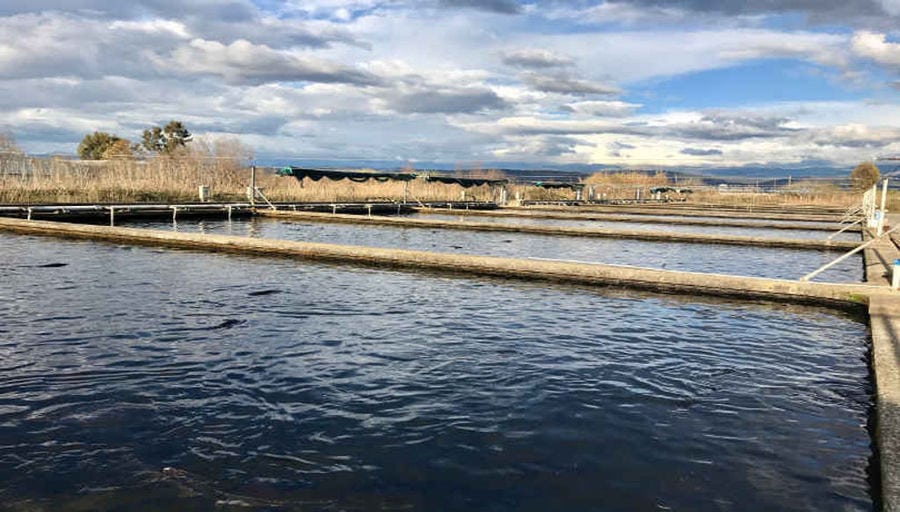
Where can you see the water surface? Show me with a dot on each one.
(278, 385)
(721, 259)
(647, 226)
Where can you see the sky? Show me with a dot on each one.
(465, 83)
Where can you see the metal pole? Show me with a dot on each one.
(252, 186)
(884, 187)
(825, 267)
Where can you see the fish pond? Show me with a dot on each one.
(657, 227)
(142, 379)
(690, 257)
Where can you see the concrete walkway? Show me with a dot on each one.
(684, 212)
(852, 296)
(884, 320)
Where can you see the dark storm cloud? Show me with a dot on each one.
(701, 152)
(497, 6)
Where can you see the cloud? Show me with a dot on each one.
(854, 135)
(447, 101)
(496, 6)
(243, 62)
(562, 83)
(225, 10)
(535, 59)
(874, 46)
(601, 108)
(542, 147)
(157, 26)
(731, 127)
(701, 152)
(815, 11)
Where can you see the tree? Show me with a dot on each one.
(8, 145)
(119, 150)
(94, 145)
(166, 140)
(864, 176)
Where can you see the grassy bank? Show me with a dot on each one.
(30, 180)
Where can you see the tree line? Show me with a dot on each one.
(157, 140)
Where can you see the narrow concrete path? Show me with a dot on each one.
(884, 321)
(695, 284)
(649, 236)
(612, 217)
(659, 210)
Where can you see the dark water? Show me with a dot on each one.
(647, 226)
(276, 385)
(721, 259)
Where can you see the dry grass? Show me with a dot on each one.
(220, 164)
(624, 186)
(176, 179)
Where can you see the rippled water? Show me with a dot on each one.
(647, 226)
(278, 385)
(722, 259)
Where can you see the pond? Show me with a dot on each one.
(721, 259)
(280, 385)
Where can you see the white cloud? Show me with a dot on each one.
(160, 26)
(874, 46)
(407, 78)
(243, 62)
(602, 108)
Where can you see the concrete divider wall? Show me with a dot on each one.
(835, 295)
(649, 236)
(614, 217)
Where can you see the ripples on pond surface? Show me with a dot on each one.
(721, 259)
(647, 225)
(288, 386)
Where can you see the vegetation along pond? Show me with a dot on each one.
(143, 379)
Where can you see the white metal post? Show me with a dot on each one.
(884, 186)
(252, 185)
(895, 275)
